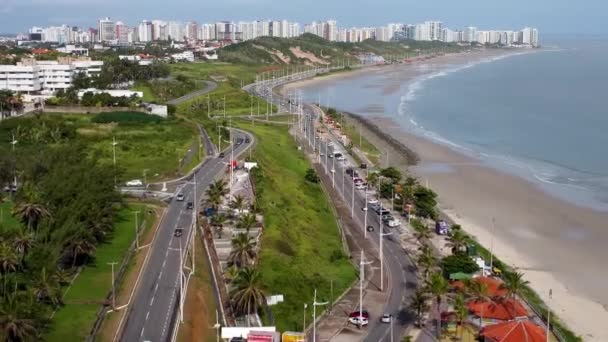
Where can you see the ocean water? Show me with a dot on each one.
(542, 116)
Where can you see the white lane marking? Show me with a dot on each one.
(147, 315)
(152, 300)
(141, 334)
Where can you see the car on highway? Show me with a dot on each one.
(387, 218)
(374, 206)
(386, 318)
(350, 171)
(340, 157)
(370, 228)
(361, 321)
(360, 186)
(372, 200)
(221, 155)
(178, 232)
(247, 141)
(190, 206)
(358, 180)
(382, 211)
(179, 197)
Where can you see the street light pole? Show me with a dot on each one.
(136, 230)
(314, 316)
(362, 264)
(181, 283)
(114, 143)
(14, 142)
(304, 318)
(381, 256)
(113, 285)
(365, 216)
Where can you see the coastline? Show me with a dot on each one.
(534, 230)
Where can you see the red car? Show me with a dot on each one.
(364, 314)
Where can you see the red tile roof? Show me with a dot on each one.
(514, 331)
(502, 309)
(492, 283)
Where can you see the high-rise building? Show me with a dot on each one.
(175, 31)
(122, 33)
(435, 29)
(331, 30)
(107, 30)
(192, 31)
(469, 34)
(145, 31)
(159, 30)
(207, 32)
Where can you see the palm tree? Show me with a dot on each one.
(461, 311)
(238, 203)
(243, 250)
(46, 288)
(426, 259)
(248, 295)
(216, 191)
(419, 304)
(372, 179)
(79, 246)
(458, 241)
(514, 283)
(247, 222)
(218, 222)
(231, 273)
(31, 213)
(22, 242)
(437, 287)
(421, 232)
(478, 292)
(9, 260)
(13, 322)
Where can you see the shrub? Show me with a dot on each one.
(126, 117)
(311, 176)
(458, 263)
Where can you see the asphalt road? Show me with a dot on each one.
(154, 308)
(399, 269)
(209, 86)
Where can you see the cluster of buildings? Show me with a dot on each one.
(427, 31)
(113, 32)
(118, 33)
(46, 77)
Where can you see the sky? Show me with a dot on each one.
(550, 16)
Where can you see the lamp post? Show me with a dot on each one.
(314, 316)
(114, 143)
(113, 285)
(14, 142)
(362, 264)
(549, 315)
(304, 318)
(381, 236)
(366, 209)
(136, 213)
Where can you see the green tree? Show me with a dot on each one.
(31, 213)
(248, 295)
(419, 304)
(243, 250)
(421, 232)
(461, 311)
(458, 241)
(514, 283)
(9, 260)
(438, 288)
(458, 263)
(22, 241)
(392, 173)
(46, 288)
(425, 201)
(238, 203)
(218, 221)
(247, 222)
(311, 176)
(426, 260)
(478, 292)
(15, 322)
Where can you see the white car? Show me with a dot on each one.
(386, 318)
(372, 200)
(394, 223)
(362, 321)
(180, 197)
(360, 186)
(135, 182)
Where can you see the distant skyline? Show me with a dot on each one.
(550, 16)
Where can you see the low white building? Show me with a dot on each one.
(184, 56)
(31, 76)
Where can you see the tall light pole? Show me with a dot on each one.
(366, 209)
(136, 213)
(333, 172)
(114, 143)
(314, 316)
(14, 142)
(224, 105)
(381, 236)
(113, 285)
(304, 318)
(549, 315)
(492, 245)
(362, 264)
(352, 197)
(181, 283)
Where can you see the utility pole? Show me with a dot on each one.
(362, 264)
(14, 142)
(381, 236)
(549, 315)
(304, 318)
(181, 283)
(224, 105)
(114, 143)
(314, 316)
(113, 285)
(366, 209)
(136, 213)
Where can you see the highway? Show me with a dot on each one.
(154, 309)
(399, 269)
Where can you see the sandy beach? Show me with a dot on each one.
(556, 245)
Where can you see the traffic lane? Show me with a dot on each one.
(163, 297)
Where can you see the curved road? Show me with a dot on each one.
(400, 270)
(209, 87)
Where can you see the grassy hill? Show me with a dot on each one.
(311, 49)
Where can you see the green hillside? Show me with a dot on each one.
(311, 49)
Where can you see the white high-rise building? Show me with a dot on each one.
(470, 34)
(175, 31)
(207, 32)
(107, 30)
(331, 30)
(159, 30)
(435, 29)
(192, 31)
(145, 31)
(275, 29)
(294, 30)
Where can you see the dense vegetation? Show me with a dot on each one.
(66, 204)
(266, 50)
(297, 215)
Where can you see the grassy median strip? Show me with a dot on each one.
(90, 289)
(301, 247)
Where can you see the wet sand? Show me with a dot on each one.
(556, 245)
